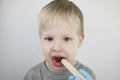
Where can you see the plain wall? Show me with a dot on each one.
(20, 44)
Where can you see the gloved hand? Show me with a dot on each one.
(84, 73)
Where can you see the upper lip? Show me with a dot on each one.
(58, 56)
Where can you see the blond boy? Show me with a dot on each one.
(61, 34)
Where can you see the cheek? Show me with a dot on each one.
(45, 50)
(72, 51)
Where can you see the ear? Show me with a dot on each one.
(81, 41)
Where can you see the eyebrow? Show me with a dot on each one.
(67, 35)
(48, 35)
(53, 34)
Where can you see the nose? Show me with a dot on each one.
(57, 47)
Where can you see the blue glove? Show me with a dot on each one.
(84, 73)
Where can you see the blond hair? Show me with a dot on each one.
(60, 9)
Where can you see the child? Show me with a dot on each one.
(61, 34)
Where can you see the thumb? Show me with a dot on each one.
(86, 74)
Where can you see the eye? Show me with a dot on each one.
(67, 39)
(49, 38)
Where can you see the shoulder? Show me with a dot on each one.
(34, 73)
(87, 69)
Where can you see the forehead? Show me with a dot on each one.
(61, 27)
(59, 21)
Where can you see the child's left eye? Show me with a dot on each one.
(67, 39)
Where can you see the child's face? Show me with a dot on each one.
(60, 41)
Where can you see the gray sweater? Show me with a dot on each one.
(40, 72)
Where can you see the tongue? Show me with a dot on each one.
(57, 62)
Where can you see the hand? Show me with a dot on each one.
(84, 73)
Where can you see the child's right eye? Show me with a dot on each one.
(49, 39)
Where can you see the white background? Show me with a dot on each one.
(20, 44)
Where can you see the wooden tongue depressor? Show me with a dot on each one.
(73, 70)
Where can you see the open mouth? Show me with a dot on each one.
(57, 61)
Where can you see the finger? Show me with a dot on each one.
(85, 74)
(77, 78)
(71, 78)
(89, 77)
